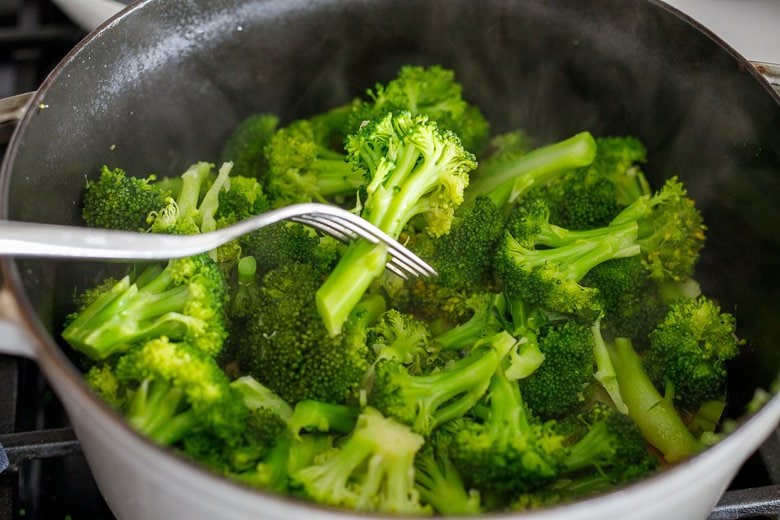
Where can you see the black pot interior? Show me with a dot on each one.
(162, 87)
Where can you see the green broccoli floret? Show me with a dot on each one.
(288, 348)
(174, 389)
(240, 199)
(505, 451)
(184, 300)
(400, 337)
(373, 470)
(413, 168)
(591, 196)
(118, 201)
(245, 145)
(610, 446)
(690, 348)
(543, 263)
(654, 415)
(304, 167)
(564, 380)
(426, 401)
(508, 176)
(430, 91)
(632, 301)
(439, 483)
(486, 319)
(671, 231)
(284, 243)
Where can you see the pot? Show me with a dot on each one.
(162, 85)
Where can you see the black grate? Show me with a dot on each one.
(49, 478)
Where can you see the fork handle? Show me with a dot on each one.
(57, 241)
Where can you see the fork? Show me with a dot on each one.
(58, 241)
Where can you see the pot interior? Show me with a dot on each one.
(162, 87)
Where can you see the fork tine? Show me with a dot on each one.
(395, 270)
(338, 232)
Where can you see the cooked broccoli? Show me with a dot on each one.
(373, 470)
(486, 319)
(413, 168)
(304, 167)
(505, 451)
(118, 201)
(402, 338)
(591, 196)
(508, 176)
(183, 300)
(288, 348)
(426, 401)
(439, 483)
(654, 414)
(690, 348)
(322, 416)
(245, 145)
(430, 91)
(564, 380)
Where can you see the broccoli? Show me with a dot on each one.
(654, 414)
(284, 243)
(118, 201)
(241, 198)
(439, 483)
(671, 231)
(543, 264)
(413, 168)
(689, 349)
(246, 144)
(184, 300)
(508, 176)
(303, 167)
(426, 401)
(505, 450)
(591, 196)
(486, 319)
(610, 446)
(400, 337)
(170, 389)
(373, 470)
(288, 349)
(564, 380)
(430, 91)
(322, 416)
(245, 297)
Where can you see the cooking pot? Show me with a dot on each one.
(161, 86)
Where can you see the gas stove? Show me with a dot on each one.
(48, 477)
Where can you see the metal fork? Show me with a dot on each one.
(52, 240)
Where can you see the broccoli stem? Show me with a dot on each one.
(342, 290)
(605, 370)
(210, 203)
(152, 411)
(504, 182)
(655, 415)
(335, 176)
(191, 184)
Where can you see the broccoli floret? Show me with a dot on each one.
(241, 198)
(591, 196)
(509, 176)
(671, 231)
(564, 380)
(430, 91)
(245, 145)
(543, 264)
(303, 167)
(632, 301)
(610, 445)
(288, 348)
(439, 483)
(183, 300)
(400, 337)
(505, 451)
(173, 389)
(413, 168)
(654, 415)
(486, 319)
(284, 243)
(373, 470)
(690, 349)
(118, 201)
(426, 401)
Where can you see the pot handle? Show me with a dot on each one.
(12, 109)
(770, 71)
(15, 340)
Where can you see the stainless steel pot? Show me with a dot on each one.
(161, 86)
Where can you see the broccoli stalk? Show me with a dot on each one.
(322, 416)
(426, 401)
(183, 300)
(654, 414)
(441, 486)
(413, 168)
(372, 471)
(510, 176)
